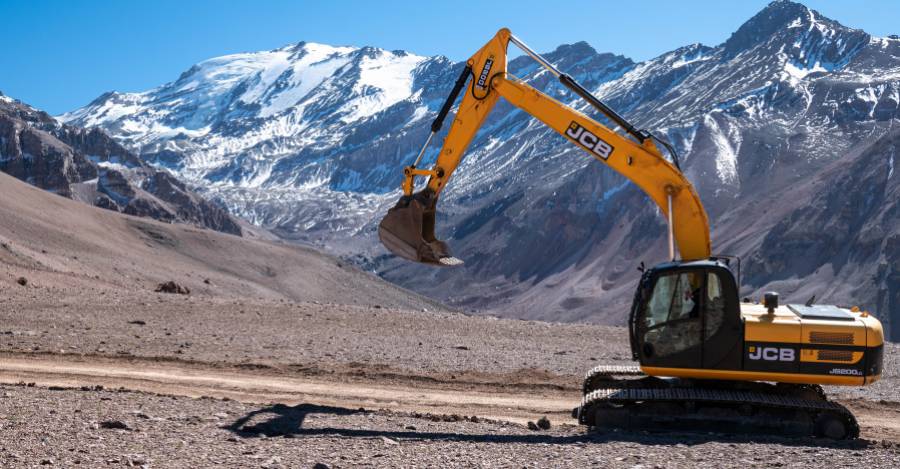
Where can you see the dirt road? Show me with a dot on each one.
(488, 400)
(502, 397)
(67, 409)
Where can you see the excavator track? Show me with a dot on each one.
(610, 376)
(706, 409)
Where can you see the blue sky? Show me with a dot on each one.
(60, 55)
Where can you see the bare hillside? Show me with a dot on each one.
(64, 246)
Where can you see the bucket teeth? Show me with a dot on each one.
(450, 261)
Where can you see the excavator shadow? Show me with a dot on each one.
(281, 420)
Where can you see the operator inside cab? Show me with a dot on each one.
(678, 309)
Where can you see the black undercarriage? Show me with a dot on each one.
(632, 401)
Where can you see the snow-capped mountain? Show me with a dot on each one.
(309, 140)
(270, 130)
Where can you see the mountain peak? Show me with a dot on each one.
(312, 46)
(771, 19)
(578, 48)
(781, 11)
(580, 54)
(786, 24)
(786, 5)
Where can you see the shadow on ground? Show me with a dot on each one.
(287, 421)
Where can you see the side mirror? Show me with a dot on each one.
(770, 301)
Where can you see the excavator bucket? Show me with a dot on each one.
(408, 231)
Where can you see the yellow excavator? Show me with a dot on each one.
(707, 361)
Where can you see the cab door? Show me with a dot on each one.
(723, 331)
(670, 331)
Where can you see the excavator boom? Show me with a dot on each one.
(408, 228)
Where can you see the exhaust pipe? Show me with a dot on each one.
(408, 231)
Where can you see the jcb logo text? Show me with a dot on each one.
(772, 354)
(585, 138)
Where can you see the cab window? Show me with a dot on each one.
(675, 296)
(672, 321)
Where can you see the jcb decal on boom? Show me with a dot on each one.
(485, 71)
(585, 138)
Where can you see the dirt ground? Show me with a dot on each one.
(102, 428)
(278, 384)
(273, 354)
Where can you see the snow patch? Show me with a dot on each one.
(822, 28)
(891, 163)
(384, 80)
(304, 81)
(726, 154)
(866, 94)
(800, 72)
(110, 165)
(696, 55)
(420, 113)
(683, 61)
(883, 42)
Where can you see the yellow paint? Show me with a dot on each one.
(760, 326)
(731, 375)
(874, 331)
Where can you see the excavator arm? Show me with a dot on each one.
(408, 228)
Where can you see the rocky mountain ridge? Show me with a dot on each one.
(89, 166)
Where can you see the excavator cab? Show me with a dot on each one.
(687, 315)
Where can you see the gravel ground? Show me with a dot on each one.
(80, 428)
(205, 329)
(65, 426)
(325, 337)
